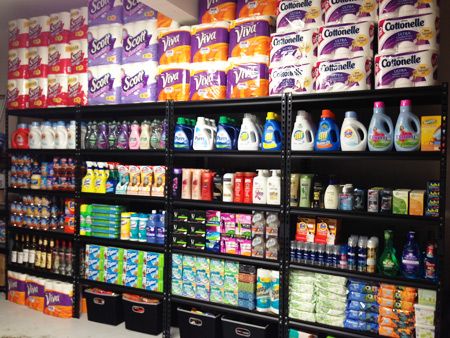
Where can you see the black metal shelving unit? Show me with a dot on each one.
(120, 288)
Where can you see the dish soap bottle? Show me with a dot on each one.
(327, 137)
(144, 138)
(411, 258)
(274, 188)
(135, 136)
(353, 133)
(271, 139)
(123, 136)
(407, 129)
(381, 129)
(303, 133)
(103, 136)
(388, 264)
(249, 136)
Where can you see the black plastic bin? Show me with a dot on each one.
(142, 316)
(104, 307)
(237, 329)
(196, 325)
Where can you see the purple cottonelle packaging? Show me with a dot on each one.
(294, 48)
(399, 8)
(104, 85)
(105, 45)
(298, 14)
(139, 42)
(102, 12)
(349, 11)
(138, 82)
(291, 79)
(136, 10)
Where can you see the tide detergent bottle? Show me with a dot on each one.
(203, 135)
(227, 134)
(407, 129)
(327, 138)
(353, 133)
(183, 134)
(381, 129)
(271, 139)
(249, 136)
(303, 133)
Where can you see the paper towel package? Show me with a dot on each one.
(298, 14)
(59, 58)
(399, 8)
(174, 45)
(208, 81)
(343, 74)
(77, 89)
(79, 56)
(18, 33)
(209, 42)
(37, 62)
(408, 34)
(17, 94)
(293, 48)
(58, 299)
(216, 10)
(349, 11)
(38, 31)
(57, 90)
(248, 77)
(17, 287)
(105, 45)
(17, 63)
(104, 85)
(166, 22)
(78, 23)
(346, 40)
(251, 36)
(35, 293)
(59, 28)
(103, 12)
(140, 43)
(248, 8)
(139, 82)
(37, 92)
(296, 79)
(173, 82)
(412, 69)
(136, 10)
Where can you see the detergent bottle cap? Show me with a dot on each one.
(181, 120)
(351, 114)
(271, 116)
(223, 120)
(405, 103)
(326, 113)
(22, 126)
(378, 104)
(302, 113)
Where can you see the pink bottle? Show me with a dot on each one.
(134, 141)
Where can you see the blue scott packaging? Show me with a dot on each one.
(140, 42)
(135, 10)
(104, 85)
(105, 45)
(101, 12)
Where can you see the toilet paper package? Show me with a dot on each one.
(17, 94)
(59, 58)
(78, 23)
(216, 10)
(16, 287)
(208, 80)
(77, 89)
(18, 33)
(413, 69)
(346, 40)
(38, 31)
(17, 63)
(79, 56)
(251, 36)
(136, 10)
(37, 62)
(37, 92)
(209, 42)
(105, 45)
(248, 77)
(103, 12)
(296, 79)
(342, 74)
(294, 48)
(349, 11)
(298, 14)
(58, 299)
(408, 34)
(35, 293)
(163, 21)
(59, 28)
(248, 8)
(57, 90)
(139, 82)
(104, 85)
(399, 8)
(174, 45)
(173, 82)
(140, 41)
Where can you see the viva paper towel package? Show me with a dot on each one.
(248, 77)
(216, 10)
(39, 31)
(18, 33)
(248, 8)
(293, 48)
(174, 45)
(103, 12)
(78, 56)
(163, 21)
(136, 10)
(17, 94)
(59, 28)
(58, 299)
(105, 45)
(209, 42)
(78, 23)
(57, 90)
(17, 287)
(37, 61)
(35, 293)
(173, 82)
(414, 69)
(349, 11)
(298, 14)
(59, 58)
(77, 89)
(104, 85)
(139, 82)
(396, 8)
(208, 80)
(37, 92)
(291, 79)
(17, 63)
(139, 42)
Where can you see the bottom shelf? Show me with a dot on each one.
(315, 328)
(121, 288)
(40, 273)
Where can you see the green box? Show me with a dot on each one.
(400, 201)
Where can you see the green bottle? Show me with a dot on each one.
(388, 263)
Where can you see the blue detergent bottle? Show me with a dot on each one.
(271, 139)
(327, 137)
(183, 135)
(227, 134)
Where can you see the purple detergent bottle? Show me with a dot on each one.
(102, 136)
(124, 136)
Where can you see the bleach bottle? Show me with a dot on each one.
(249, 136)
(353, 133)
(227, 134)
(203, 135)
(327, 138)
(303, 133)
(407, 129)
(381, 129)
(183, 135)
(271, 139)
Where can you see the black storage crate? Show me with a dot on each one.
(193, 324)
(236, 329)
(143, 317)
(104, 308)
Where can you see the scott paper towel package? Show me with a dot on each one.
(18, 33)
(346, 40)
(59, 58)
(35, 293)
(349, 11)
(248, 8)
(136, 10)
(79, 56)
(413, 69)
(37, 92)
(105, 45)
(17, 94)
(399, 8)
(139, 42)
(343, 74)
(103, 12)
(296, 79)
(298, 14)
(57, 90)
(173, 82)
(174, 45)
(77, 89)
(38, 31)
(139, 82)
(209, 42)
(104, 85)
(58, 299)
(248, 77)
(216, 10)
(208, 80)
(17, 63)
(408, 34)
(293, 48)
(37, 62)
(59, 28)
(78, 23)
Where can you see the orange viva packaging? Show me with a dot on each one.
(58, 299)
(208, 81)
(248, 77)
(35, 293)
(216, 10)
(16, 287)
(173, 82)
(163, 21)
(209, 42)
(174, 45)
(248, 8)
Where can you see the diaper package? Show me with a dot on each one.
(349, 11)
(208, 80)
(292, 48)
(298, 14)
(35, 293)
(105, 45)
(173, 82)
(104, 85)
(414, 69)
(174, 45)
(139, 41)
(139, 82)
(209, 42)
(399, 8)
(343, 74)
(291, 79)
(101, 12)
(217, 10)
(248, 78)
(248, 8)
(136, 10)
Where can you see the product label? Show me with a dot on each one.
(379, 138)
(407, 138)
(78, 24)
(301, 14)
(135, 10)
(173, 84)
(103, 89)
(138, 87)
(137, 48)
(294, 79)
(408, 7)
(295, 48)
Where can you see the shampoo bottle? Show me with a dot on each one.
(331, 197)
(274, 188)
(260, 188)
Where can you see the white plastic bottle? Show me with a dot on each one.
(203, 135)
(72, 135)
(61, 136)
(381, 129)
(250, 134)
(351, 133)
(407, 129)
(144, 143)
(228, 187)
(260, 187)
(274, 188)
(303, 133)
(47, 136)
(34, 136)
(331, 197)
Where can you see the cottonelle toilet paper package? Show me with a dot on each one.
(103, 12)
(59, 58)
(412, 69)
(139, 82)
(209, 42)
(77, 89)
(78, 23)
(140, 41)
(298, 14)
(399, 8)
(208, 80)
(79, 56)
(136, 10)
(38, 31)
(17, 94)
(57, 90)
(105, 45)
(18, 33)
(17, 63)
(296, 79)
(292, 48)
(37, 61)
(59, 28)
(408, 34)
(349, 11)
(104, 85)
(37, 92)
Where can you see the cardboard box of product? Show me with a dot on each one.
(400, 204)
(431, 133)
(373, 199)
(416, 202)
(306, 229)
(326, 230)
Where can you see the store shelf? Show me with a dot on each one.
(43, 233)
(117, 199)
(222, 308)
(121, 288)
(422, 284)
(119, 154)
(229, 154)
(356, 155)
(40, 273)
(62, 113)
(43, 152)
(260, 262)
(56, 193)
(122, 243)
(216, 205)
(329, 330)
(114, 111)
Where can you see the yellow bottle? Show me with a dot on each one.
(87, 184)
(101, 178)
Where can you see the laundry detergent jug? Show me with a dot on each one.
(327, 138)
(20, 137)
(203, 135)
(227, 134)
(407, 129)
(353, 133)
(250, 134)
(271, 139)
(303, 133)
(183, 134)
(381, 129)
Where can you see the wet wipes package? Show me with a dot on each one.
(101, 12)
(216, 10)
(294, 48)
(94, 251)
(291, 79)
(104, 85)
(399, 8)
(173, 82)
(105, 45)
(408, 34)
(248, 78)
(174, 45)
(137, 10)
(139, 41)
(114, 254)
(208, 80)
(139, 82)
(349, 11)
(298, 14)
(209, 42)
(414, 69)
